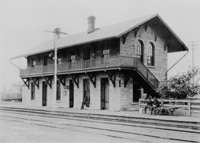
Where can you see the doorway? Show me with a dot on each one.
(136, 92)
(71, 94)
(86, 90)
(86, 56)
(44, 94)
(45, 61)
(104, 94)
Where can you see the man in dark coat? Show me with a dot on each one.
(156, 104)
(149, 105)
(84, 102)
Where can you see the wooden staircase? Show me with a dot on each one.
(146, 79)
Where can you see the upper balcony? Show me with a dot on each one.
(80, 66)
(91, 66)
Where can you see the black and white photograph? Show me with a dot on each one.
(97, 71)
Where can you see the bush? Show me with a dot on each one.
(181, 86)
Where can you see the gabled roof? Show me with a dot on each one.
(111, 31)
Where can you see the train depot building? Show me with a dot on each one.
(112, 65)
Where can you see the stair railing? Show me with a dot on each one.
(147, 75)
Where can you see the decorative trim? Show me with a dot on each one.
(124, 37)
(75, 79)
(92, 77)
(120, 75)
(126, 78)
(62, 79)
(26, 81)
(36, 81)
(48, 80)
(136, 31)
(112, 77)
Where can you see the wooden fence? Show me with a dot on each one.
(191, 106)
(15, 96)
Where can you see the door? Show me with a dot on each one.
(86, 56)
(136, 92)
(71, 94)
(86, 90)
(45, 61)
(104, 93)
(44, 94)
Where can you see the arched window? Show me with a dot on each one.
(150, 54)
(139, 50)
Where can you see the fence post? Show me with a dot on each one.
(189, 107)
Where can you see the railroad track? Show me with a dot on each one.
(137, 131)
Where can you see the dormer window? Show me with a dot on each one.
(150, 54)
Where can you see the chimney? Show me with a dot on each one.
(91, 24)
(57, 31)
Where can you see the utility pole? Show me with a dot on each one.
(194, 44)
(57, 33)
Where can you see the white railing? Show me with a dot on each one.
(195, 107)
(170, 103)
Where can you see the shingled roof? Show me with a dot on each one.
(107, 32)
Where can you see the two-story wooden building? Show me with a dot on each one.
(109, 65)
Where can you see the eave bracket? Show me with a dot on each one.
(112, 77)
(48, 80)
(62, 79)
(124, 37)
(92, 77)
(127, 77)
(75, 79)
(26, 81)
(36, 81)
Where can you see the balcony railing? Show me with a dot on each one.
(80, 65)
(112, 62)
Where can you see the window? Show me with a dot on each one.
(72, 56)
(32, 91)
(45, 61)
(105, 50)
(58, 91)
(150, 54)
(93, 51)
(33, 62)
(139, 50)
(86, 53)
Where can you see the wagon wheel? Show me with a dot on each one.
(164, 112)
(157, 111)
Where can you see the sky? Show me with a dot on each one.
(23, 22)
